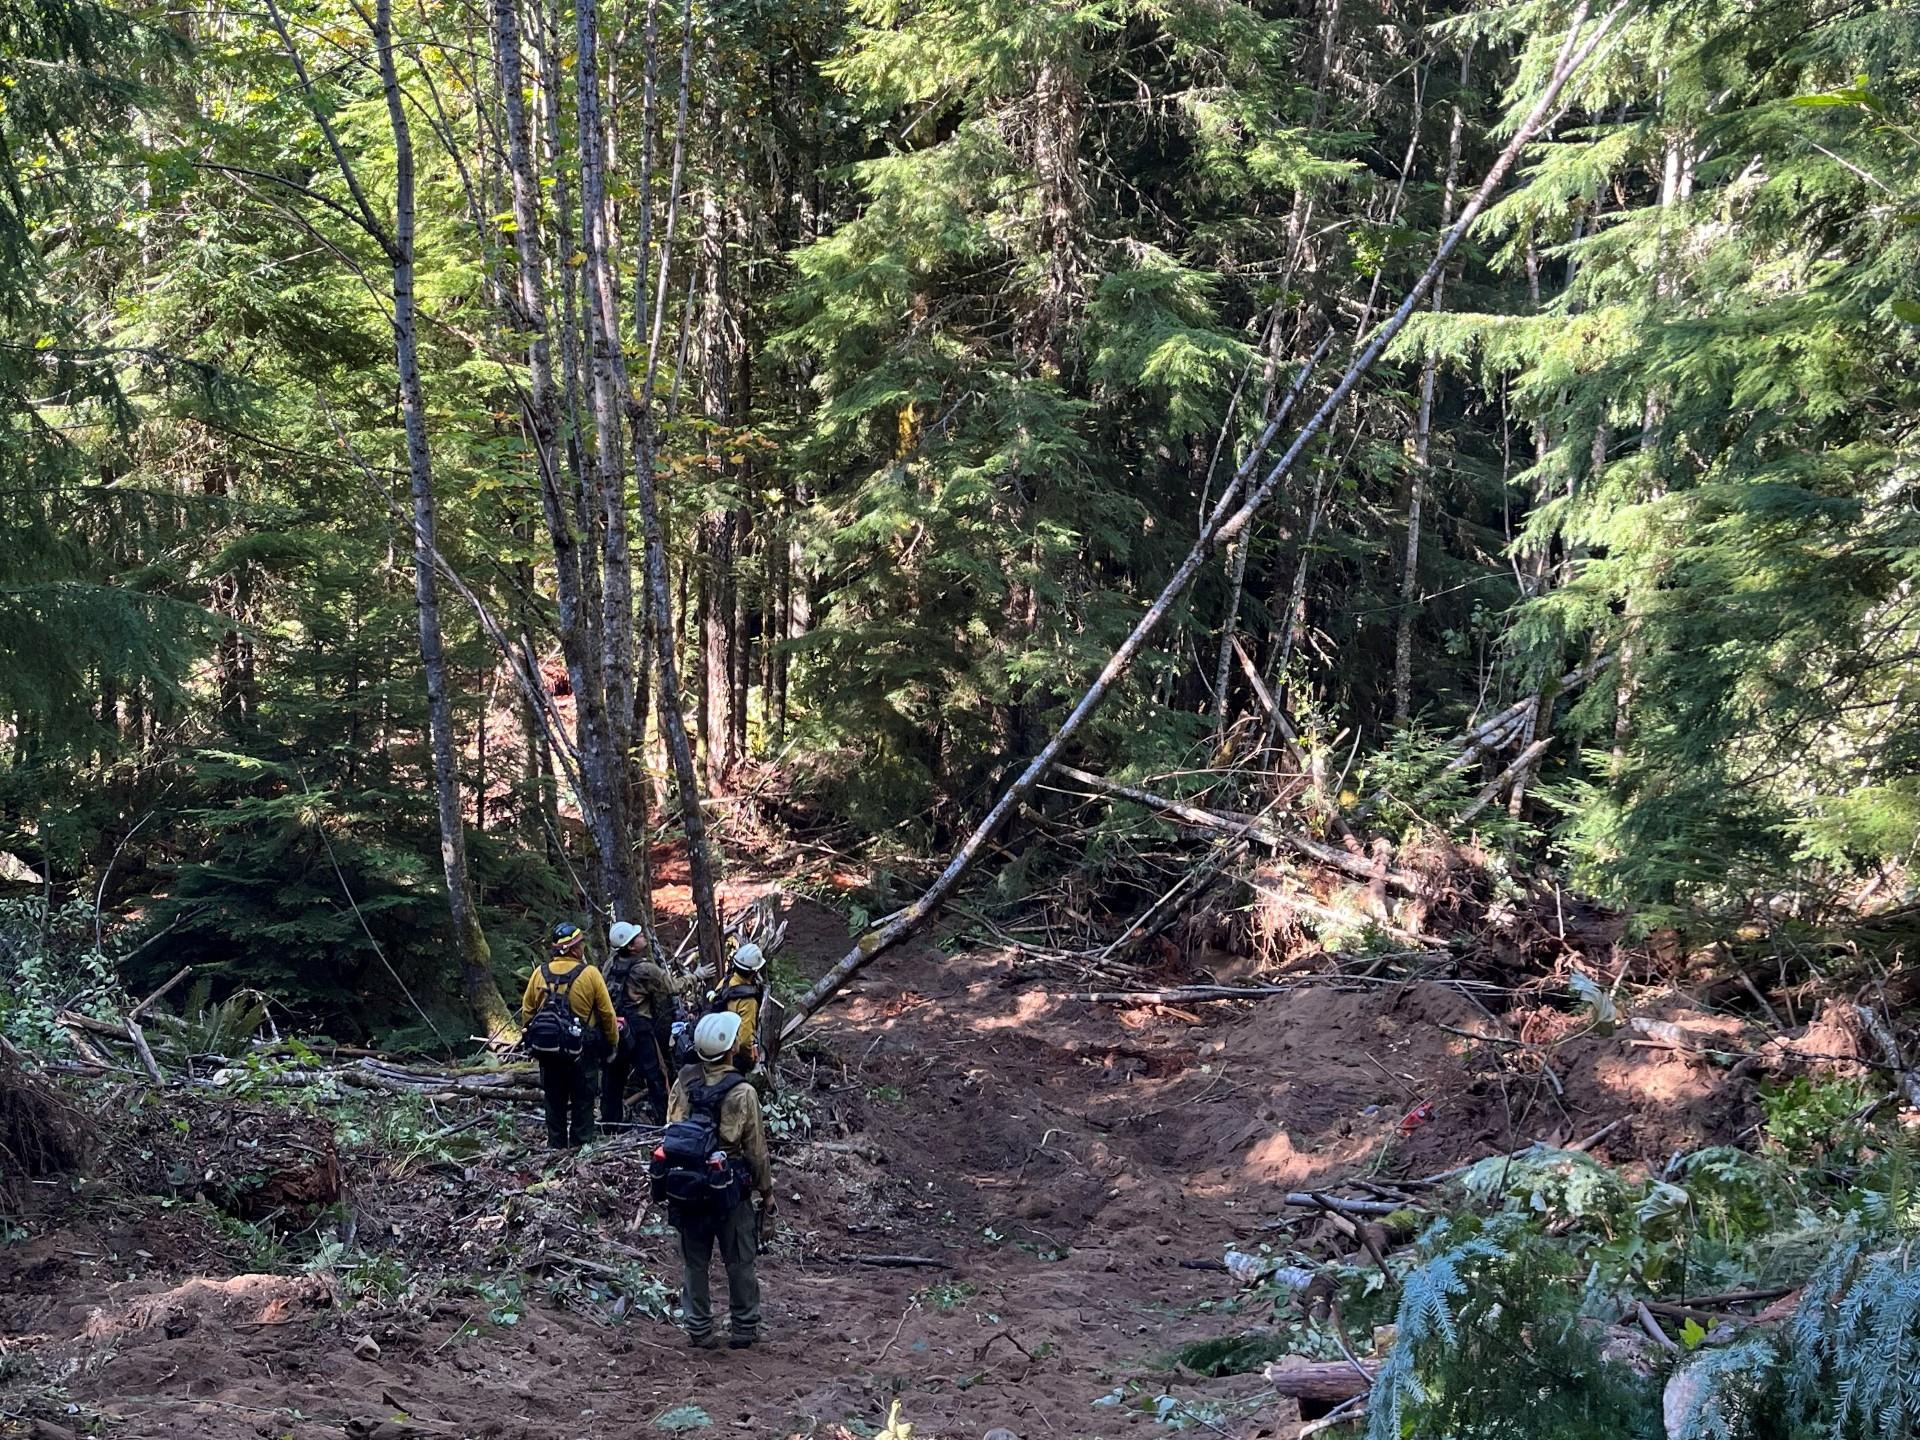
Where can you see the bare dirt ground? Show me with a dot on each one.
(1062, 1158)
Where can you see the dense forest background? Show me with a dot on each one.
(450, 448)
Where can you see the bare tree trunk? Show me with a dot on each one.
(1237, 580)
(1237, 506)
(673, 726)
(607, 816)
(1676, 176)
(739, 636)
(1059, 109)
(481, 991)
(716, 537)
(1423, 435)
(609, 398)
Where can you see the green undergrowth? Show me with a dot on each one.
(1514, 1314)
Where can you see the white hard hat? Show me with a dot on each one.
(716, 1034)
(622, 935)
(749, 957)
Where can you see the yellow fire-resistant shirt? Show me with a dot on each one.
(587, 995)
(748, 991)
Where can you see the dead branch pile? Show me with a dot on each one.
(41, 1134)
(258, 1162)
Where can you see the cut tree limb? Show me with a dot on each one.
(1506, 777)
(147, 1004)
(1290, 736)
(145, 1052)
(1235, 509)
(1325, 1381)
(1315, 1200)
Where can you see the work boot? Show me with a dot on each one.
(708, 1341)
(742, 1342)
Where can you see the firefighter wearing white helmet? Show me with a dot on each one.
(643, 999)
(742, 991)
(713, 1102)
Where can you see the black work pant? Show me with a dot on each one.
(568, 1083)
(642, 1056)
(735, 1235)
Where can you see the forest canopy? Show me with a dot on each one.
(454, 449)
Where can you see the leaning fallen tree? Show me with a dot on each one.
(1231, 514)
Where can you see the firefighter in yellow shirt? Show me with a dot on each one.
(741, 993)
(567, 1022)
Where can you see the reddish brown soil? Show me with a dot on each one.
(1062, 1157)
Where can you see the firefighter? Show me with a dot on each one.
(567, 1022)
(643, 1000)
(742, 992)
(711, 1160)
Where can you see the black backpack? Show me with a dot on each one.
(616, 975)
(691, 1170)
(555, 1029)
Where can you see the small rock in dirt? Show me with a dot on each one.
(367, 1348)
(999, 1433)
(1163, 1239)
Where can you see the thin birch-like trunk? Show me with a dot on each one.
(481, 991)
(606, 814)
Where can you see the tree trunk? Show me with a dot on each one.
(1423, 435)
(1059, 110)
(481, 991)
(717, 526)
(1676, 178)
(740, 639)
(606, 813)
(609, 396)
(673, 726)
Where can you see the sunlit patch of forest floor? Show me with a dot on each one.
(289, 1260)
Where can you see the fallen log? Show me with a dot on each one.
(1490, 734)
(74, 1020)
(1499, 782)
(447, 1087)
(1250, 826)
(1242, 500)
(85, 1048)
(897, 1262)
(1181, 993)
(1336, 980)
(1325, 1382)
